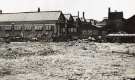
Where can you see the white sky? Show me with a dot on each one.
(96, 9)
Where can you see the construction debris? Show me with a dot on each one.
(74, 60)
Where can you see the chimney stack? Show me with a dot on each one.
(78, 14)
(38, 9)
(83, 14)
(0, 11)
(109, 10)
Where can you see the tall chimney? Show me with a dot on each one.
(109, 11)
(0, 11)
(83, 14)
(38, 9)
(78, 14)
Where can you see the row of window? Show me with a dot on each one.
(69, 29)
(72, 29)
(90, 32)
(26, 27)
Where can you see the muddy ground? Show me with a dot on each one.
(75, 60)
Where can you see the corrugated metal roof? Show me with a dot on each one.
(30, 16)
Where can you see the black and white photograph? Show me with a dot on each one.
(67, 40)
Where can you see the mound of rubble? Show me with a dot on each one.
(25, 49)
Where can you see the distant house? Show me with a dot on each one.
(115, 21)
(69, 23)
(28, 25)
(84, 27)
(87, 29)
(101, 25)
(92, 29)
(72, 28)
(77, 21)
(77, 24)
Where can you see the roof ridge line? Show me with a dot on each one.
(31, 12)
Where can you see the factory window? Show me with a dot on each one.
(71, 29)
(52, 27)
(48, 27)
(27, 27)
(38, 28)
(8, 27)
(17, 27)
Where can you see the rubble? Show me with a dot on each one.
(75, 60)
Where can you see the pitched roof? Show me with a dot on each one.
(132, 18)
(30, 16)
(67, 16)
(75, 18)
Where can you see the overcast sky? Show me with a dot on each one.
(96, 9)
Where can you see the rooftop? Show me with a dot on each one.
(75, 18)
(30, 16)
(67, 16)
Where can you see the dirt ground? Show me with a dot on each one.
(75, 60)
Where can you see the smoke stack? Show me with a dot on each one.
(83, 14)
(0, 11)
(38, 9)
(109, 10)
(78, 14)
